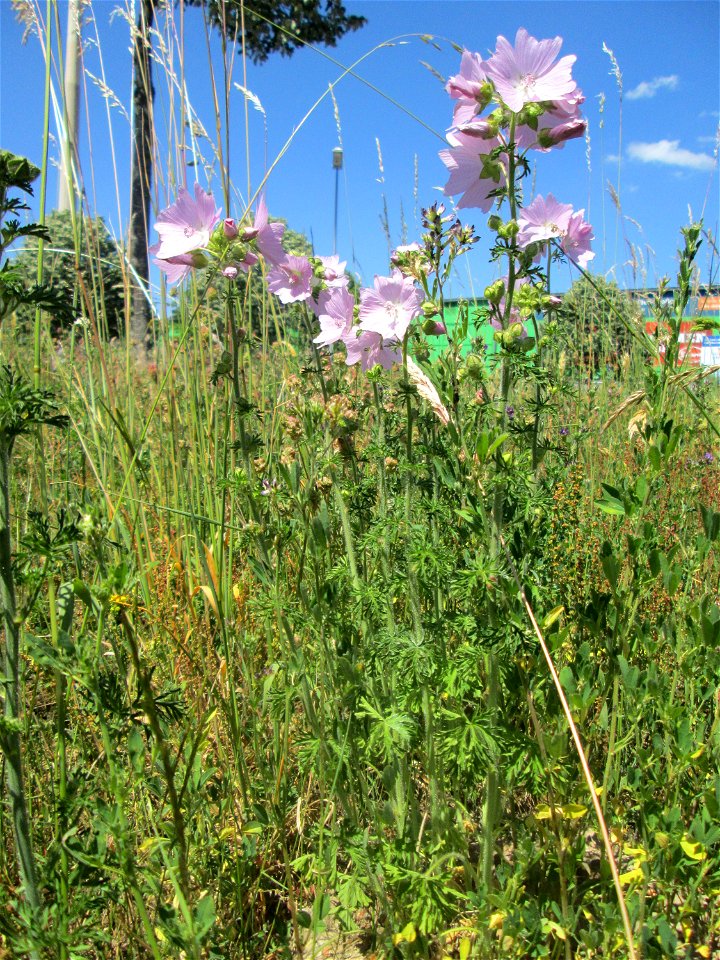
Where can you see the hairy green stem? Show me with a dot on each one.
(491, 807)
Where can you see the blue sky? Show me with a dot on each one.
(657, 148)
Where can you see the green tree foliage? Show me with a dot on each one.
(594, 316)
(281, 26)
(95, 287)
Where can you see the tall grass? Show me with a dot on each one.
(280, 687)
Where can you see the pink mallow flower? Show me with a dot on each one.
(267, 236)
(527, 72)
(334, 271)
(174, 268)
(469, 87)
(576, 241)
(370, 349)
(335, 314)
(291, 280)
(544, 219)
(472, 172)
(186, 224)
(389, 307)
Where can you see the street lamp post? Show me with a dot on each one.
(337, 162)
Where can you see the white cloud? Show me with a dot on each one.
(671, 154)
(648, 88)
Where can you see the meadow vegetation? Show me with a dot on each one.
(307, 657)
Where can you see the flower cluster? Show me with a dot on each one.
(189, 234)
(534, 105)
(545, 219)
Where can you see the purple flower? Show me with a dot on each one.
(544, 219)
(291, 279)
(469, 87)
(576, 241)
(389, 307)
(335, 313)
(174, 268)
(267, 236)
(230, 228)
(370, 349)
(527, 72)
(564, 431)
(472, 172)
(334, 271)
(268, 486)
(708, 457)
(510, 411)
(185, 225)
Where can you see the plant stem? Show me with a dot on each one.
(492, 787)
(10, 727)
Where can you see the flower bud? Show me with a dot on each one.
(199, 260)
(495, 222)
(531, 111)
(433, 328)
(495, 292)
(558, 134)
(509, 230)
(430, 309)
(474, 368)
(229, 228)
(483, 129)
(484, 95)
(230, 272)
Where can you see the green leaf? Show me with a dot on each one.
(611, 501)
(695, 851)
(711, 522)
(136, 750)
(17, 172)
(610, 564)
(552, 617)
(204, 916)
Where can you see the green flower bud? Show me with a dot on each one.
(509, 230)
(495, 292)
(495, 222)
(485, 94)
(516, 330)
(430, 309)
(474, 368)
(199, 260)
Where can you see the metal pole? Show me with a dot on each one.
(337, 166)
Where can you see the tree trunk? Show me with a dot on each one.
(72, 99)
(141, 176)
